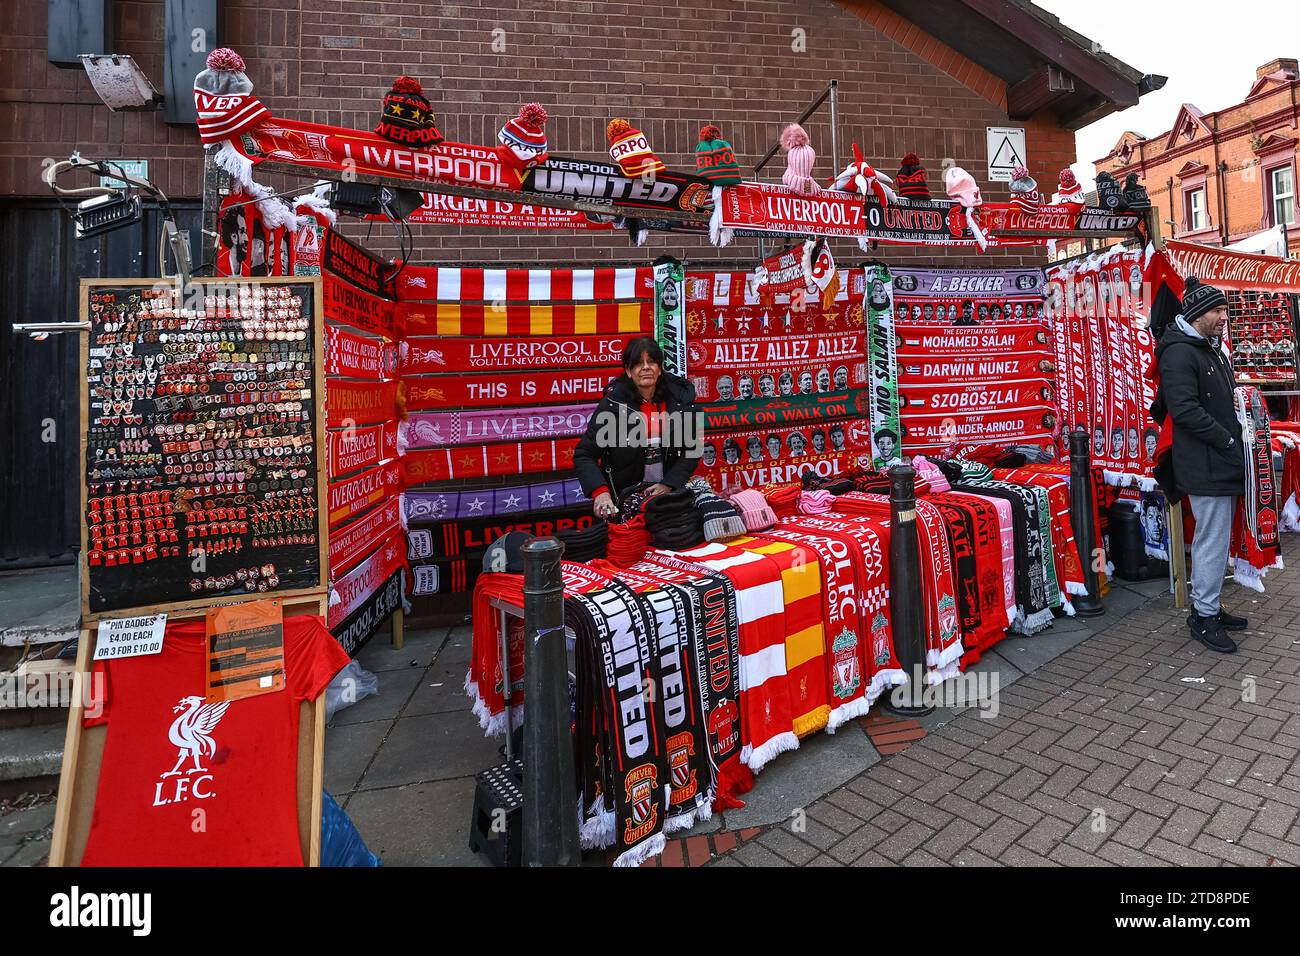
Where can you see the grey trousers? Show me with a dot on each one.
(1210, 543)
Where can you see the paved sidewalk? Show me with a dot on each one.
(1135, 747)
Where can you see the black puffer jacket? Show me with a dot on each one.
(1196, 384)
(619, 467)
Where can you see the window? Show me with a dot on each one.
(1196, 209)
(1281, 184)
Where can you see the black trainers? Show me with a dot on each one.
(1232, 622)
(1210, 632)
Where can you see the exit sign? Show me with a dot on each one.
(132, 167)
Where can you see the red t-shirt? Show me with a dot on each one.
(169, 755)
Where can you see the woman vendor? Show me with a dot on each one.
(645, 429)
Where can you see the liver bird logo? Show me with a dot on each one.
(191, 732)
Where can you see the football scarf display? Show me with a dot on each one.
(349, 544)
(350, 591)
(359, 403)
(960, 398)
(424, 355)
(882, 364)
(989, 594)
(845, 655)
(508, 458)
(1255, 544)
(491, 502)
(615, 664)
(943, 432)
(976, 284)
(714, 632)
(454, 284)
(766, 721)
(1065, 550)
(917, 343)
(805, 647)
(752, 458)
(351, 496)
(495, 318)
(730, 291)
(518, 389)
(792, 410)
(355, 356)
(471, 537)
(727, 369)
(670, 314)
(355, 448)
(345, 303)
(757, 321)
(440, 429)
(943, 633)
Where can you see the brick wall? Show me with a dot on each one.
(668, 68)
(1236, 194)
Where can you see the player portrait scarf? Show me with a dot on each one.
(734, 368)
(746, 459)
(882, 358)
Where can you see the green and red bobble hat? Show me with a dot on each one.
(910, 182)
(408, 117)
(715, 159)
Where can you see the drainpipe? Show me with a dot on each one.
(1173, 217)
(1219, 167)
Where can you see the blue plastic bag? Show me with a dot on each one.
(340, 843)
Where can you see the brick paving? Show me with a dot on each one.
(1136, 747)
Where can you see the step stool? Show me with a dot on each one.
(498, 793)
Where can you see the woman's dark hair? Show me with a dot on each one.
(634, 352)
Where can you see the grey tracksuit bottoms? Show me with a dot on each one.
(1210, 543)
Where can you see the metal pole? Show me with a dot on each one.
(1085, 530)
(503, 639)
(905, 594)
(550, 821)
(835, 128)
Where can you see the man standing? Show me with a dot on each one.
(1196, 385)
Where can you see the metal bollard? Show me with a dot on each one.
(906, 611)
(1085, 531)
(550, 820)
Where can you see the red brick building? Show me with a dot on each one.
(914, 75)
(1220, 177)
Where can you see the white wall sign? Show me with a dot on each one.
(1006, 146)
(130, 637)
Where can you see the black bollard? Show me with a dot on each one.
(1085, 530)
(550, 818)
(906, 610)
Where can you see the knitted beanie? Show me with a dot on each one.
(1024, 191)
(816, 502)
(523, 139)
(629, 148)
(721, 519)
(799, 160)
(1069, 189)
(782, 499)
(223, 98)
(910, 182)
(628, 542)
(928, 470)
(1199, 298)
(407, 117)
(754, 509)
(715, 159)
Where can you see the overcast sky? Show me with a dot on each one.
(1209, 51)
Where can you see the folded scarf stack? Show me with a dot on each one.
(633, 501)
(816, 502)
(673, 521)
(628, 541)
(836, 486)
(721, 519)
(783, 499)
(754, 509)
(585, 544)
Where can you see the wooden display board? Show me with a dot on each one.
(167, 583)
(83, 752)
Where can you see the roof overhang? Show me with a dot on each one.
(1045, 64)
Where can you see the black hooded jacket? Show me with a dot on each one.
(620, 466)
(1196, 384)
